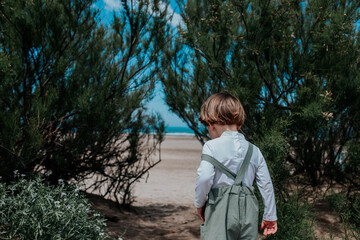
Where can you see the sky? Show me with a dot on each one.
(157, 104)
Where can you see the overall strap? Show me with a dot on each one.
(244, 165)
(218, 165)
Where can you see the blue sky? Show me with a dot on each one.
(157, 104)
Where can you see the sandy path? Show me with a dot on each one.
(164, 203)
(172, 181)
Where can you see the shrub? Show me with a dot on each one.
(348, 209)
(80, 107)
(32, 209)
(295, 220)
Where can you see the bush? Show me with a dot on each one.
(295, 220)
(32, 209)
(79, 109)
(349, 212)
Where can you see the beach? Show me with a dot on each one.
(163, 207)
(172, 181)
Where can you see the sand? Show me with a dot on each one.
(172, 181)
(164, 203)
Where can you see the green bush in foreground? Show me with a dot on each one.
(31, 209)
(349, 212)
(295, 220)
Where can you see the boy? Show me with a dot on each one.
(225, 203)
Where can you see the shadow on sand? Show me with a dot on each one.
(152, 221)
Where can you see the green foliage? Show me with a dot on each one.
(273, 146)
(295, 67)
(348, 165)
(31, 209)
(290, 62)
(295, 220)
(73, 92)
(349, 211)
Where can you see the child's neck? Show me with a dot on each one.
(218, 130)
(226, 128)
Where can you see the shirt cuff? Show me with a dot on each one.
(267, 217)
(197, 205)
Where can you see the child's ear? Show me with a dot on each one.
(238, 127)
(212, 126)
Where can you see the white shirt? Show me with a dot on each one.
(230, 150)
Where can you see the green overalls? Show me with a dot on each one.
(231, 212)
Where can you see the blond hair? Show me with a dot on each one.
(222, 108)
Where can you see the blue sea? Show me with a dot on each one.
(179, 131)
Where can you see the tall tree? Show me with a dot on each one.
(73, 92)
(295, 67)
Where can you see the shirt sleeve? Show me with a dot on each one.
(263, 181)
(204, 181)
